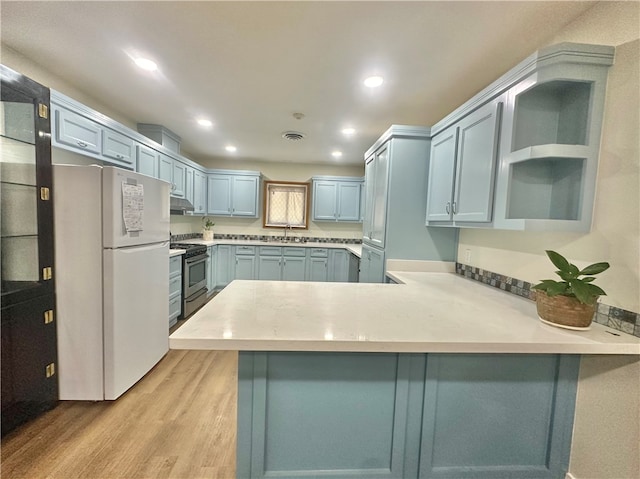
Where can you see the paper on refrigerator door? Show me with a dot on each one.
(132, 206)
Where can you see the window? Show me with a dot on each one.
(286, 204)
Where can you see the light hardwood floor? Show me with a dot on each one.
(179, 421)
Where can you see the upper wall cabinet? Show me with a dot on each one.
(75, 132)
(337, 198)
(462, 168)
(233, 193)
(549, 143)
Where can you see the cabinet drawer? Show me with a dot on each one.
(175, 266)
(270, 250)
(318, 252)
(175, 285)
(245, 250)
(175, 306)
(117, 147)
(289, 251)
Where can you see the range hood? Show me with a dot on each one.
(179, 206)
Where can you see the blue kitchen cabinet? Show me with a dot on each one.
(245, 262)
(354, 268)
(147, 161)
(189, 191)
(337, 199)
(372, 268)
(294, 268)
(179, 176)
(398, 416)
(199, 192)
(211, 269)
(317, 265)
(224, 265)
(376, 171)
(76, 132)
(118, 149)
(233, 194)
(463, 168)
(175, 289)
(338, 265)
(270, 268)
(276, 263)
(165, 170)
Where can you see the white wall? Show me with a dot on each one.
(301, 172)
(606, 440)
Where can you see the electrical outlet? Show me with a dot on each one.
(467, 256)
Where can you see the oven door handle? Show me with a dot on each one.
(197, 259)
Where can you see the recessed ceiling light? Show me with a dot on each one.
(348, 131)
(336, 154)
(374, 81)
(205, 123)
(146, 64)
(230, 148)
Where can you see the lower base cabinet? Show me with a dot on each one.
(402, 416)
(175, 289)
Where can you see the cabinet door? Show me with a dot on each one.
(442, 165)
(147, 161)
(476, 164)
(211, 269)
(245, 267)
(77, 131)
(219, 195)
(165, 170)
(324, 200)
(293, 268)
(29, 356)
(179, 176)
(317, 269)
(354, 268)
(189, 186)
(348, 207)
(270, 268)
(223, 266)
(338, 265)
(368, 194)
(379, 213)
(118, 148)
(244, 196)
(199, 192)
(371, 266)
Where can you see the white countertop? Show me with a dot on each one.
(353, 248)
(176, 252)
(430, 312)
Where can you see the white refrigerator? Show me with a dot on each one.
(112, 278)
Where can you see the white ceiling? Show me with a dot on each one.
(248, 66)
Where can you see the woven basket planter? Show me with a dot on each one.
(564, 311)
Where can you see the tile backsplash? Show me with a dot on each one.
(610, 316)
(302, 239)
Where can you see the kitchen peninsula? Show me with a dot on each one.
(439, 376)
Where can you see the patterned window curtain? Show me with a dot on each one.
(287, 206)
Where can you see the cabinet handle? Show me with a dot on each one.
(119, 156)
(448, 207)
(454, 208)
(82, 144)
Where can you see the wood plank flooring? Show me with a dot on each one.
(178, 422)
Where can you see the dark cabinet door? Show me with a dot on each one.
(29, 356)
(29, 380)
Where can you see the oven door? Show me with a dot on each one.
(195, 274)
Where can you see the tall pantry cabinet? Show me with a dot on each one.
(395, 189)
(28, 326)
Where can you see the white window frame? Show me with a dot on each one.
(274, 185)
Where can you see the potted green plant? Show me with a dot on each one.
(207, 232)
(569, 303)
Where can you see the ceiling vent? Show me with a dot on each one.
(293, 135)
